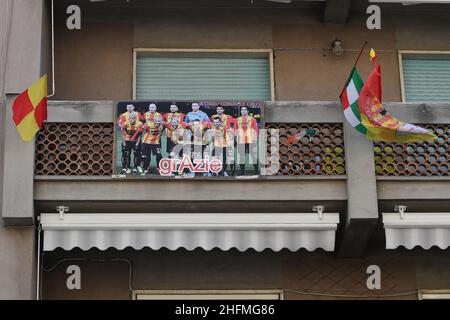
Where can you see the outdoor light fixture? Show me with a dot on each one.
(336, 47)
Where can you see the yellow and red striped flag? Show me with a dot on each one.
(30, 109)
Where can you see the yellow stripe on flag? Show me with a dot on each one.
(28, 127)
(38, 91)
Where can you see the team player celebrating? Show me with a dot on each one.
(124, 117)
(151, 143)
(178, 140)
(196, 115)
(177, 134)
(152, 114)
(223, 142)
(227, 120)
(174, 113)
(169, 117)
(200, 138)
(195, 134)
(131, 139)
(246, 132)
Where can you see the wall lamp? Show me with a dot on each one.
(336, 47)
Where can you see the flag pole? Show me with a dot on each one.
(356, 62)
(360, 53)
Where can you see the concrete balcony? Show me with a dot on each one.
(358, 193)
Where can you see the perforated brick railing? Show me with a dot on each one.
(86, 149)
(415, 159)
(319, 153)
(75, 149)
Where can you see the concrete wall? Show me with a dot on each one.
(95, 62)
(17, 263)
(24, 52)
(317, 74)
(231, 270)
(23, 68)
(5, 14)
(432, 269)
(21, 65)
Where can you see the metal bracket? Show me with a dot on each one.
(319, 209)
(61, 210)
(401, 209)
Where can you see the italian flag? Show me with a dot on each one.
(350, 100)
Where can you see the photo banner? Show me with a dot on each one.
(188, 138)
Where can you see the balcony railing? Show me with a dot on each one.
(75, 149)
(320, 154)
(86, 148)
(415, 159)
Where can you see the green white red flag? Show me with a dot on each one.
(364, 111)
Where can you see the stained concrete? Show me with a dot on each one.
(17, 261)
(22, 66)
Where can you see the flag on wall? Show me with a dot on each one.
(364, 111)
(30, 109)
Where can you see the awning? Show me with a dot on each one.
(243, 231)
(412, 229)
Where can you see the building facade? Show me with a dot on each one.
(364, 186)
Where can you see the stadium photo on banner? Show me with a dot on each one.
(188, 138)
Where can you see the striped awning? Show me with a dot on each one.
(258, 231)
(412, 229)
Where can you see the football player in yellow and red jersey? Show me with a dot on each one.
(223, 141)
(151, 142)
(131, 139)
(124, 117)
(176, 133)
(152, 114)
(178, 140)
(199, 137)
(174, 114)
(227, 121)
(246, 132)
(168, 118)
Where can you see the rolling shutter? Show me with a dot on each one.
(208, 78)
(426, 80)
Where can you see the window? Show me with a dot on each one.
(208, 295)
(434, 295)
(203, 74)
(425, 76)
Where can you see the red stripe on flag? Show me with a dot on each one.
(40, 113)
(344, 99)
(22, 106)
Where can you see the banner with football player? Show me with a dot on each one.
(188, 138)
